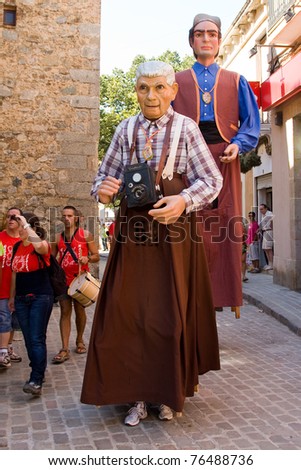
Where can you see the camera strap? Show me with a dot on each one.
(132, 137)
(169, 167)
(132, 131)
(164, 150)
(69, 247)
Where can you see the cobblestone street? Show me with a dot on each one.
(253, 402)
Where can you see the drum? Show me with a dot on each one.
(84, 288)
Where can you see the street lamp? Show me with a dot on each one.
(254, 49)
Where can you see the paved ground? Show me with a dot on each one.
(254, 402)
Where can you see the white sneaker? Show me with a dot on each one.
(268, 267)
(136, 413)
(165, 413)
(33, 388)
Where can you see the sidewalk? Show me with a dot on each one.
(273, 299)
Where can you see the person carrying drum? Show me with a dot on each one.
(76, 248)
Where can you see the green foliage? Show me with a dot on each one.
(248, 160)
(118, 98)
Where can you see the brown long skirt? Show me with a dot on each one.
(154, 327)
(222, 231)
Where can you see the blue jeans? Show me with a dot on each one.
(33, 313)
(8, 321)
(5, 317)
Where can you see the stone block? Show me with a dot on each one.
(85, 102)
(73, 137)
(9, 35)
(90, 52)
(29, 94)
(78, 148)
(70, 90)
(71, 161)
(73, 189)
(89, 30)
(84, 76)
(5, 91)
(61, 20)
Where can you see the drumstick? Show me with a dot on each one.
(79, 256)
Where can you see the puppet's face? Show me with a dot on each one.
(154, 96)
(206, 40)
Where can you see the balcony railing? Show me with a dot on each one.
(277, 8)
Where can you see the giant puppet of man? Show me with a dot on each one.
(223, 105)
(154, 329)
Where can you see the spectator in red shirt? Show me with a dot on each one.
(31, 295)
(8, 322)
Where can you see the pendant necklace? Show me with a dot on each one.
(147, 151)
(206, 95)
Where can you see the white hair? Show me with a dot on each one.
(156, 68)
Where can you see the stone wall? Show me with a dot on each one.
(49, 106)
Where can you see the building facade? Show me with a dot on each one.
(49, 106)
(264, 44)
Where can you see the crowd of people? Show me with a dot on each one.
(26, 292)
(175, 251)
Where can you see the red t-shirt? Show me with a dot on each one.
(32, 276)
(1, 270)
(26, 259)
(80, 248)
(252, 229)
(111, 229)
(8, 243)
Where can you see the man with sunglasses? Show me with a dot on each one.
(8, 322)
(223, 105)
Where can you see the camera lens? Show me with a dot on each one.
(137, 177)
(139, 192)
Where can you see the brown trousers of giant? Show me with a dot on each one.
(222, 231)
(154, 329)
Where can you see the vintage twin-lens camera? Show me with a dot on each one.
(140, 185)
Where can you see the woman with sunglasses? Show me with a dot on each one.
(32, 295)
